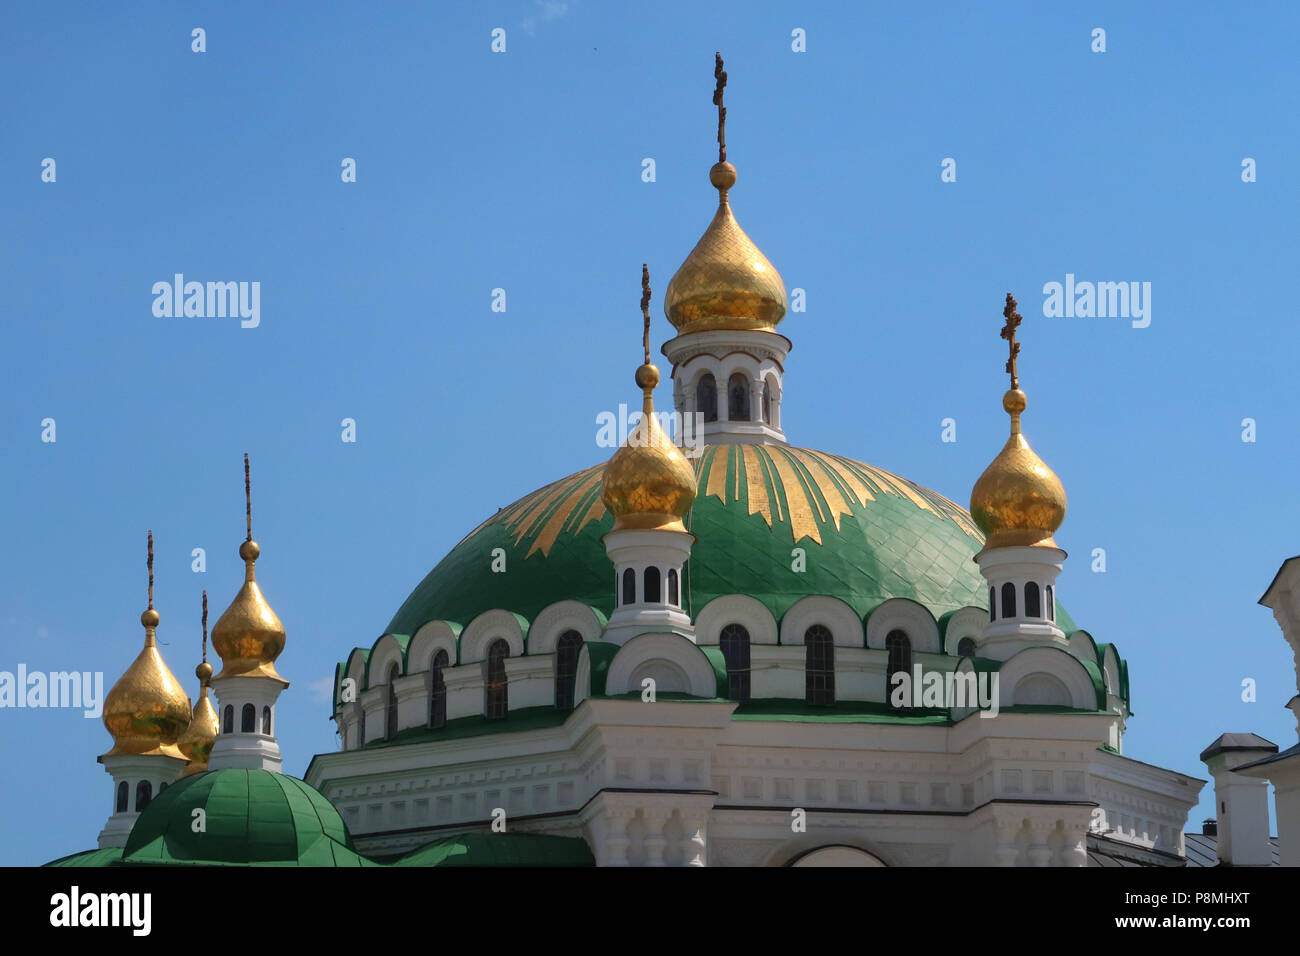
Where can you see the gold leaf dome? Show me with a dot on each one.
(147, 710)
(1018, 500)
(648, 483)
(249, 636)
(196, 743)
(726, 282)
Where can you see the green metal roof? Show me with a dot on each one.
(106, 856)
(868, 536)
(250, 817)
(501, 849)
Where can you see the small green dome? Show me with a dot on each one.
(867, 536)
(248, 817)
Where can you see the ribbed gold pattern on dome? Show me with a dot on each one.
(1018, 500)
(147, 710)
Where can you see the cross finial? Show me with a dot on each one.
(1009, 333)
(149, 564)
(205, 626)
(248, 500)
(721, 76)
(645, 309)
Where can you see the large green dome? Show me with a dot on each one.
(248, 817)
(868, 536)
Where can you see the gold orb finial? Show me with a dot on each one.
(248, 636)
(146, 710)
(1018, 500)
(726, 282)
(648, 483)
(195, 744)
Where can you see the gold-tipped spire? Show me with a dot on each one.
(196, 743)
(648, 483)
(248, 636)
(726, 282)
(147, 710)
(1018, 500)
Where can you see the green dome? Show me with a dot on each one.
(249, 817)
(868, 536)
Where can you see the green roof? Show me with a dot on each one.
(501, 849)
(868, 536)
(105, 856)
(250, 817)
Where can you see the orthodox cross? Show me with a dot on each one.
(1009, 333)
(721, 76)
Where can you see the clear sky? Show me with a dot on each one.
(522, 170)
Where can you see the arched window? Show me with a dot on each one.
(629, 586)
(767, 403)
(674, 592)
(496, 692)
(1008, 600)
(266, 720)
(734, 642)
(123, 794)
(966, 647)
(993, 604)
(228, 719)
(248, 719)
(899, 651)
(706, 397)
(1051, 603)
(738, 398)
(438, 690)
(143, 794)
(1033, 606)
(390, 710)
(652, 594)
(819, 666)
(161, 787)
(567, 650)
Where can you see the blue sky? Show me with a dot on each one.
(522, 171)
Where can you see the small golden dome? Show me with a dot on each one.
(648, 483)
(197, 740)
(248, 636)
(147, 710)
(1018, 500)
(726, 282)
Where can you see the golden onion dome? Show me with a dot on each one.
(196, 743)
(249, 636)
(726, 282)
(1018, 501)
(146, 710)
(648, 483)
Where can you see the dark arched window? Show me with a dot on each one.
(1033, 606)
(1008, 600)
(706, 397)
(1051, 603)
(266, 720)
(899, 651)
(674, 592)
(228, 719)
(248, 719)
(123, 794)
(438, 690)
(652, 594)
(161, 787)
(143, 794)
(567, 650)
(767, 403)
(966, 647)
(390, 710)
(496, 691)
(819, 666)
(734, 642)
(738, 398)
(993, 604)
(629, 586)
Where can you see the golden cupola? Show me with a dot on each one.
(196, 743)
(1018, 501)
(648, 483)
(249, 636)
(726, 282)
(147, 710)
